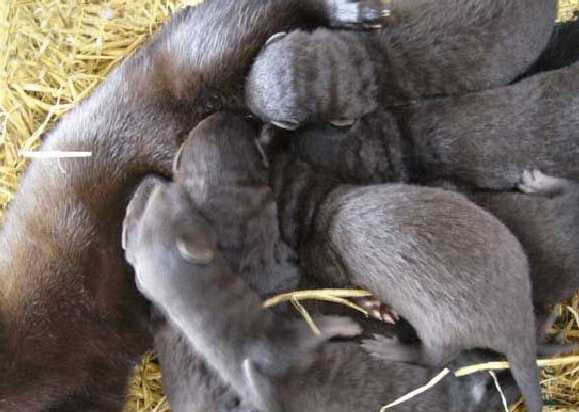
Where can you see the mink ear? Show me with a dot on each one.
(196, 248)
(137, 205)
(177, 159)
(125, 234)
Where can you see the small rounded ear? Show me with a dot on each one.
(125, 239)
(129, 225)
(177, 159)
(195, 249)
(138, 203)
(130, 220)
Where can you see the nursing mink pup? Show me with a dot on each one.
(547, 224)
(180, 268)
(65, 277)
(210, 179)
(397, 151)
(72, 323)
(429, 48)
(204, 162)
(221, 189)
(330, 159)
(483, 140)
(444, 288)
(173, 236)
(438, 260)
(221, 169)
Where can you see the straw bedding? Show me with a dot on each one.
(54, 52)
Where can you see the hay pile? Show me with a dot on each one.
(54, 52)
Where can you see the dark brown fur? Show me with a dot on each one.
(72, 322)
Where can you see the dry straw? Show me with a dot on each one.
(340, 296)
(327, 295)
(489, 367)
(53, 53)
